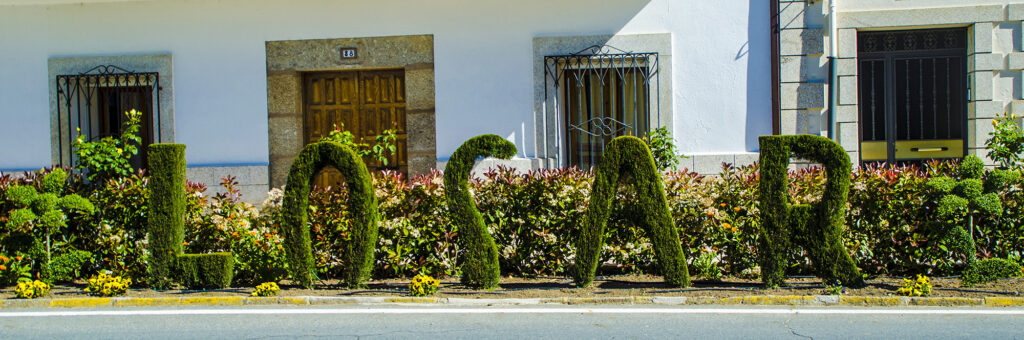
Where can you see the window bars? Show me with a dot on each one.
(913, 87)
(93, 104)
(598, 94)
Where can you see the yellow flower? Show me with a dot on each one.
(726, 225)
(3, 267)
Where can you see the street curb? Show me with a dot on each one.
(763, 300)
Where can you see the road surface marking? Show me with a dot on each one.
(282, 311)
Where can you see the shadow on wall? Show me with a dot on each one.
(758, 54)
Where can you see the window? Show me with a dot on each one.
(94, 103)
(601, 93)
(912, 94)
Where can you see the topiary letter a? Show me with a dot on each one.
(630, 155)
(362, 203)
(480, 261)
(819, 227)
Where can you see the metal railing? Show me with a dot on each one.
(93, 104)
(598, 94)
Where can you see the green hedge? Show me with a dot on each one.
(166, 210)
(818, 228)
(630, 156)
(974, 194)
(989, 270)
(480, 260)
(362, 204)
(198, 271)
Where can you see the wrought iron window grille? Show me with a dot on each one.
(913, 91)
(93, 104)
(598, 93)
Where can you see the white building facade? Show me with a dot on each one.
(235, 78)
(900, 80)
(246, 83)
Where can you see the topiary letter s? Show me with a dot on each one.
(362, 202)
(480, 262)
(630, 155)
(819, 227)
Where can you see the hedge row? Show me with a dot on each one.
(535, 217)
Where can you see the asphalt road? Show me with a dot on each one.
(554, 322)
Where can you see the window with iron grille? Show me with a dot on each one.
(600, 93)
(93, 104)
(913, 94)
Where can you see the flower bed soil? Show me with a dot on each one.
(608, 286)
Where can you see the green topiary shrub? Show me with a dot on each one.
(197, 271)
(45, 213)
(167, 260)
(817, 228)
(362, 203)
(997, 179)
(480, 260)
(630, 156)
(66, 267)
(166, 210)
(974, 194)
(989, 270)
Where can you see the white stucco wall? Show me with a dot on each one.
(484, 81)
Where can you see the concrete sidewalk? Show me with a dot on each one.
(793, 300)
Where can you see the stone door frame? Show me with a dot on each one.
(287, 61)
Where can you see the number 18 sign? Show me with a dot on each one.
(349, 53)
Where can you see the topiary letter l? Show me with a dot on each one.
(630, 155)
(480, 262)
(818, 227)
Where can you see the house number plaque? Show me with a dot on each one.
(349, 53)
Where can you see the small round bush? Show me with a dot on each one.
(969, 188)
(971, 167)
(53, 182)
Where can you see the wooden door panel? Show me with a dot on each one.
(314, 92)
(365, 103)
(400, 89)
(315, 121)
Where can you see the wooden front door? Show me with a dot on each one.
(364, 103)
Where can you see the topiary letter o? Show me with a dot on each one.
(630, 155)
(362, 202)
(480, 262)
(819, 227)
